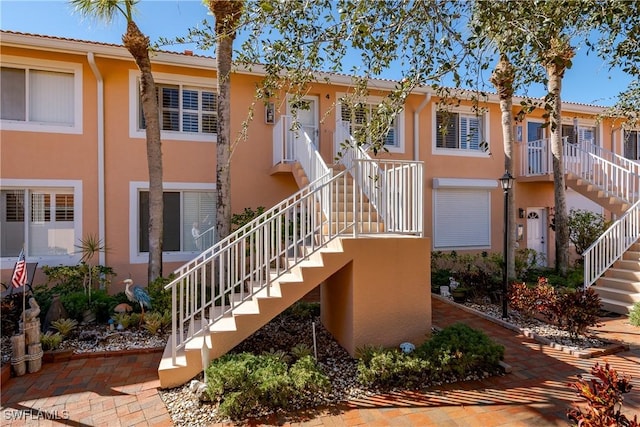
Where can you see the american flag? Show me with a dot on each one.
(19, 277)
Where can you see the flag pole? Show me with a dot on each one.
(24, 294)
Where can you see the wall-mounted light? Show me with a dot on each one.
(520, 213)
(269, 113)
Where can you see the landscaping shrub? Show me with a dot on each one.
(575, 311)
(10, 311)
(50, 341)
(244, 383)
(604, 399)
(160, 298)
(389, 368)
(452, 354)
(532, 300)
(64, 326)
(303, 310)
(75, 303)
(460, 350)
(634, 314)
(585, 227)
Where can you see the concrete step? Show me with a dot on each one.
(624, 274)
(621, 284)
(616, 306)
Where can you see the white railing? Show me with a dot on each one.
(246, 263)
(222, 277)
(393, 187)
(615, 180)
(611, 245)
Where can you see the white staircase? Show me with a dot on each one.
(612, 263)
(239, 284)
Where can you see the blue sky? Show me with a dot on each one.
(589, 81)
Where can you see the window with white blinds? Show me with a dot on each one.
(37, 96)
(185, 109)
(462, 218)
(458, 131)
(359, 116)
(44, 219)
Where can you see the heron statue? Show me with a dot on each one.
(138, 295)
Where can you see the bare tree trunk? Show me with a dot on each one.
(223, 152)
(555, 73)
(503, 79)
(226, 15)
(138, 45)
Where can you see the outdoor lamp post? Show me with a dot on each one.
(506, 182)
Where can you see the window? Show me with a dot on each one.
(462, 213)
(359, 116)
(459, 131)
(48, 229)
(631, 144)
(43, 97)
(185, 109)
(184, 211)
(535, 131)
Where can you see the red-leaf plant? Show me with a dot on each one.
(604, 399)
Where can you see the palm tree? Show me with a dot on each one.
(138, 46)
(227, 14)
(503, 78)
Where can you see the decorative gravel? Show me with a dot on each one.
(541, 329)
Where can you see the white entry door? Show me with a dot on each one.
(537, 233)
(307, 116)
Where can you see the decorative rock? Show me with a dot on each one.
(200, 390)
(55, 312)
(407, 347)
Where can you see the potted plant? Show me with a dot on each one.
(459, 294)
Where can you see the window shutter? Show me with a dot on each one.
(12, 91)
(462, 218)
(446, 130)
(51, 98)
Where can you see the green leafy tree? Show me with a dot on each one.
(139, 47)
(585, 227)
(535, 36)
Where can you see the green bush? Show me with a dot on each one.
(102, 305)
(303, 310)
(452, 354)
(245, 383)
(160, 298)
(585, 227)
(389, 368)
(634, 314)
(75, 303)
(460, 350)
(50, 341)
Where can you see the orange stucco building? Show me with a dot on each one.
(73, 164)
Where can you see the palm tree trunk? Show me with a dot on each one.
(223, 152)
(227, 14)
(503, 79)
(138, 45)
(555, 73)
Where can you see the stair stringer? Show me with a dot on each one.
(592, 192)
(244, 322)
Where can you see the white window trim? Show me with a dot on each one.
(21, 184)
(136, 257)
(399, 148)
(47, 65)
(165, 78)
(459, 152)
(452, 183)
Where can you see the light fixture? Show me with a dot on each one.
(506, 181)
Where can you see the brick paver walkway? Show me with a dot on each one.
(123, 390)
